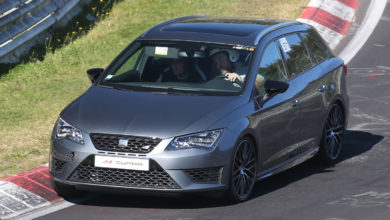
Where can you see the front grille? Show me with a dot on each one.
(57, 165)
(110, 142)
(206, 175)
(156, 178)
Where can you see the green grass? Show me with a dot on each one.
(33, 93)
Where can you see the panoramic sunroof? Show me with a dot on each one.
(232, 29)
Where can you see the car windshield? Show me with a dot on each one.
(180, 67)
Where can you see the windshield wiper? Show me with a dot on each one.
(155, 89)
(173, 91)
(115, 87)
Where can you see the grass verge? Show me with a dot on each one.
(32, 94)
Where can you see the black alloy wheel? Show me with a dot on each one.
(331, 142)
(243, 173)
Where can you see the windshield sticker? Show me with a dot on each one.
(161, 51)
(240, 47)
(109, 77)
(286, 47)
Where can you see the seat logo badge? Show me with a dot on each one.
(123, 142)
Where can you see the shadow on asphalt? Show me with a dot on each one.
(355, 143)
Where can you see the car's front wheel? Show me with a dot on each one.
(331, 141)
(243, 171)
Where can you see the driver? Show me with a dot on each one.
(223, 65)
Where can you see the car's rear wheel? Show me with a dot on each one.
(331, 141)
(64, 190)
(243, 171)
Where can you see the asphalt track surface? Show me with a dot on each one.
(357, 187)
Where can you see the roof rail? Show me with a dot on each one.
(274, 27)
(172, 21)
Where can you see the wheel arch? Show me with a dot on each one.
(246, 134)
(250, 133)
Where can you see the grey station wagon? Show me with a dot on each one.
(203, 104)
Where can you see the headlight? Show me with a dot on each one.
(65, 130)
(204, 140)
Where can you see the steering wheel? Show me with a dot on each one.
(236, 83)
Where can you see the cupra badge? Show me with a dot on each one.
(123, 142)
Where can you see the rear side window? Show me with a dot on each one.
(315, 45)
(295, 54)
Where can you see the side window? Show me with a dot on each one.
(271, 67)
(315, 45)
(295, 54)
(129, 64)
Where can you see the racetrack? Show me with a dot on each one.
(358, 187)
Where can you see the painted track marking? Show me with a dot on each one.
(373, 15)
(25, 192)
(331, 18)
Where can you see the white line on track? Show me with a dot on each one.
(372, 18)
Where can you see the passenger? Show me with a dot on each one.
(177, 71)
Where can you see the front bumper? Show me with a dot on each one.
(170, 171)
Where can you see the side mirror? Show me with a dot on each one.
(94, 73)
(273, 87)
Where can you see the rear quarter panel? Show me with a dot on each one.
(336, 90)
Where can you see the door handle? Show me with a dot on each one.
(295, 102)
(322, 88)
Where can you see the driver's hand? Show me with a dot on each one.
(233, 77)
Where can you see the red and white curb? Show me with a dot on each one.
(332, 18)
(25, 192)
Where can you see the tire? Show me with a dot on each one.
(243, 171)
(64, 190)
(332, 135)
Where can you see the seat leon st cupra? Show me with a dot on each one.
(203, 104)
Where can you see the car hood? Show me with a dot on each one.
(105, 110)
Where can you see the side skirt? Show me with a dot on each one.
(292, 162)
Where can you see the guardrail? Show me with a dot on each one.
(23, 23)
